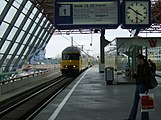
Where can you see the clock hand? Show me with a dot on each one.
(135, 11)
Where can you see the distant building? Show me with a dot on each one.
(40, 56)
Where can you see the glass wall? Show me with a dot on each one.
(22, 33)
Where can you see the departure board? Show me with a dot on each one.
(86, 14)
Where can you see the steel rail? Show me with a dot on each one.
(19, 103)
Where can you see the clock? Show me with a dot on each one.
(136, 12)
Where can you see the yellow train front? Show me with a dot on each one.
(73, 61)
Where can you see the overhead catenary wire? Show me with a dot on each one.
(84, 49)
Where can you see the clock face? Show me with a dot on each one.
(136, 12)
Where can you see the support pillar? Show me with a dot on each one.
(103, 43)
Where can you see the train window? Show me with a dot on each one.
(70, 56)
(65, 57)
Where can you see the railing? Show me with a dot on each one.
(4, 76)
(14, 76)
(40, 66)
(24, 77)
(17, 82)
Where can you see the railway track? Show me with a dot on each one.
(27, 105)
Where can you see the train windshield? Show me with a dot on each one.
(70, 56)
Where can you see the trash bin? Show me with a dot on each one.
(109, 75)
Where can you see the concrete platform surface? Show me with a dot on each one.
(88, 98)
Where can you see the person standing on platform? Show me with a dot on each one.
(152, 66)
(141, 76)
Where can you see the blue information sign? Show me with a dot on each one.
(81, 14)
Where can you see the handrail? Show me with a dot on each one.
(4, 76)
(23, 77)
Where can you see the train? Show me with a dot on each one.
(74, 60)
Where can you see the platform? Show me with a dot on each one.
(88, 98)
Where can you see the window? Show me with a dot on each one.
(70, 56)
(12, 33)
(13, 48)
(16, 4)
(26, 39)
(19, 1)
(37, 19)
(4, 47)
(42, 21)
(32, 28)
(2, 5)
(26, 50)
(27, 24)
(19, 20)
(3, 28)
(31, 41)
(21, 48)
(33, 13)
(26, 8)
(37, 31)
(14, 60)
(11, 13)
(7, 59)
(20, 36)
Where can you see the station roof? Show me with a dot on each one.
(47, 8)
(125, 43)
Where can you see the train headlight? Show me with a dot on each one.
(65, 66)
(74, 66)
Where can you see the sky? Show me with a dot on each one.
(58, 43)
